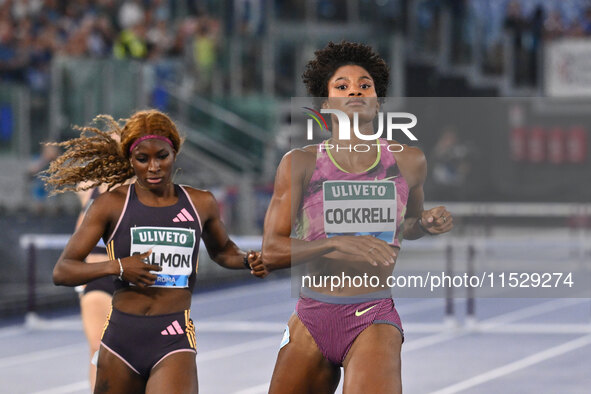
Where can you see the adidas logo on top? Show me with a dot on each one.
(173, 329)
(183, 216)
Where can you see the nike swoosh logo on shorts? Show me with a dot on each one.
(357, 313)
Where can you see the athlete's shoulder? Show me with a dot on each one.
(411, 162)
(307, 152)
(203, 200)
(412, 154)
(109, 205)
(301, 157)
(118, 194)
(195, 193)
(297, 162)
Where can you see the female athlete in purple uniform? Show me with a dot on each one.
(151, 229)
(336, 211)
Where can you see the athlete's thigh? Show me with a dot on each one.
(113, 376)
(373, 362)
(301, 368)
(175, 374)
(94, 307)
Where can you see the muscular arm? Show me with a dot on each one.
(413, 166)
(70, 269)
(278, 248)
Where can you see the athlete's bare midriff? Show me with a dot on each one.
(151, 301)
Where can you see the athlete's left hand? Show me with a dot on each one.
(255, 261)
(437, 220)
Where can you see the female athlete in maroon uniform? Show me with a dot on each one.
(346, 212)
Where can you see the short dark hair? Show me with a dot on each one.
(327, 60)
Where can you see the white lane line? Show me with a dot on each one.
(263, 310)
(60, 324)
(260, 389)
(534, 310)
(82, 385)
(241, 326)
(239, 348)
(427, 328)
(252, 289)
(256, 312)
(11, 331)
(42, 355)
(491, 323)
(419, 306)
(430, 341)
(75, 323)
(517, 365)
(537, 328)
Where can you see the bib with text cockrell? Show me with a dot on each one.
(360, 208)
(172, 249)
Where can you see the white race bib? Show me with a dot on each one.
(360, 208)
(172, 249)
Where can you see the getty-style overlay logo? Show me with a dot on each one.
(392, 124)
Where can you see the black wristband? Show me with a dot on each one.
(423, 229)
(245, 262)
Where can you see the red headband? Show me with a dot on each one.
(148, 137)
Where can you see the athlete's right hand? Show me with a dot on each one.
(257, 268)
(366, 248)
(137, 271)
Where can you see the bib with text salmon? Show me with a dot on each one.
(172, 249)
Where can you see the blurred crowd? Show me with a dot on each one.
(552, 18)
(32, 32)
(529, 27)
(486, 24)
